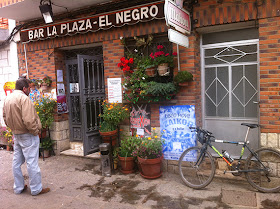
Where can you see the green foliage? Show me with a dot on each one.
(146, 62)
(113, 114)
(37, 82)
(128, 145)
(45, 109)
(160, 91)
(47, 143)
(183, 76)
(150, 148)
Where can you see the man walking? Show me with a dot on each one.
(20, 116)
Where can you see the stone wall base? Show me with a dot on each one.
(59, 132)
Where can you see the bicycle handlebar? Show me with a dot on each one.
(201, 130)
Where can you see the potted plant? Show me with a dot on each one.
(45, 109)
(182, 78)
(149, 65)
(113, 114)
(46, 82)
(8, 135)
(47, 145)
(156, 91)
(127, 147)
(163, 60)
(150, 155)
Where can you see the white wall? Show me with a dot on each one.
(8, 68)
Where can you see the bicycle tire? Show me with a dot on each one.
(201, 176)
(271, 159)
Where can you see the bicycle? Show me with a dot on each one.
(262, 167)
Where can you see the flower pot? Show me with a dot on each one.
(163, 69)
(110, 137)
(43, 133)
(127, 164)
(150, 168)
(9, 148)
(151, 72)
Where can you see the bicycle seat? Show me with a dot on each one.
(250, 125)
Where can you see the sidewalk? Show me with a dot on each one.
(76, 183)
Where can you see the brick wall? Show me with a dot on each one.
(4, 23)
(270, 75)
(44, 57)
(4, 3)
(209, 12)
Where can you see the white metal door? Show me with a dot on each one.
(231, 91)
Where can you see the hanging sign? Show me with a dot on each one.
(177, 17)
(129, 16)
(61, 104)
(174, 127)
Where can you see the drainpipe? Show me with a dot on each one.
(26, 61)
(178, 59)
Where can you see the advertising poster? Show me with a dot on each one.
(174, 127)
(9, 87)
(61, 104)
(140, 120)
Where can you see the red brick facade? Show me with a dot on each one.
(4, 23)
(44, 57)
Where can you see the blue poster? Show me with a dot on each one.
(174, 127)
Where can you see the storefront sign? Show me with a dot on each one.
(128, 16)
(140, 120)
(177, 17)
(174, 127)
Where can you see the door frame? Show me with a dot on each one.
(203, 66)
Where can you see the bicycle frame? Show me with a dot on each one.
(245, 145)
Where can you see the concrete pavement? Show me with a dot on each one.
(76, 183)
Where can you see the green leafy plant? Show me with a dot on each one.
(113, 114)
(183, 76)
(45, 109)
(161, 57)
(150, 148)
(156, 91)
(47, 80)
(47, 143)
(128, 145)
(36, 82)
(146, 62)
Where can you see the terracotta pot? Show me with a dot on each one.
(151, 72)
(163, 69)
(127, 164)
(43, 133)
(9, 148)
(150, 168)
(110, 137)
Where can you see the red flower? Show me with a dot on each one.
(123, 59)
(174, 53)
(167, 54)
(130, 60)
(159, 47)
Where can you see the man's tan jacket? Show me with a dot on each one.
(20, 114)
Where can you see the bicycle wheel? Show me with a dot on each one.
(269, 179)
(195, 174)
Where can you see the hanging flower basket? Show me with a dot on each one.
(151, 72)
(163, 69)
